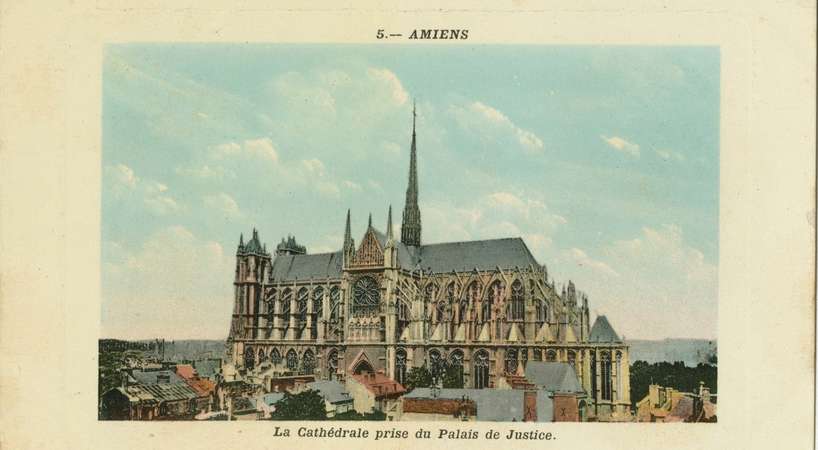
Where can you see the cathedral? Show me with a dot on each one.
(478, 309)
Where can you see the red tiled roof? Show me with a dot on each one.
(185, 371)
(202, 386)
(379, 384)
(439, 406)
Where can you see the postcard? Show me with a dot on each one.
(367, 227)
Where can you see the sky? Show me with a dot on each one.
(605, 160)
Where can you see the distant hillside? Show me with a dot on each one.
(191, 349)
(689, 351)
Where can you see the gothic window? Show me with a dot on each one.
(285, 302)
(249, 358)
(335, 303)
(451, 293)
(537, 356)
(494, 296)
(593, 374)
(275, 356)
(308, 362)
(301, 304)
(606, 375)
(550, 355)
(318, 302)
(511, 360)
(400, 366)
(463, 310)
(542, 311)
(471, 296)
(481, 369)
(618, 374)
(456, 364)
(403, 311)
(572, 358)
(332, 364)
(436, 363)
(261, 356)
(269, 299)
(403, 317)
(367, 297)
(517, 310)
(292, 361)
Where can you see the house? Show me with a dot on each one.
(161, 401)
(186, 371)
(666, 404)
(153, 377)
(561, 381)
(336, 398)
(208, 368)
(373, 391)
(485, 405)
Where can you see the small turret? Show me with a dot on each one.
(290, 247)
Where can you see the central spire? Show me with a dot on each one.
(410, 226)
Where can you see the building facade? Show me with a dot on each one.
(386, 304)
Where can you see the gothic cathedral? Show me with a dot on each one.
(479, 309)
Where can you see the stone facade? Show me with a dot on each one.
(483, 307)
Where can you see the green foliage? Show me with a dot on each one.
(352, 415)
(453, 377)
(108, 376)
(418, 377)
(307, 405)
(675, 375)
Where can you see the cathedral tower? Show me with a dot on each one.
(410, 226)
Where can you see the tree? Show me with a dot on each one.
(453, 377)
(307, 405)
(418, 377)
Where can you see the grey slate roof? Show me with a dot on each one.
(159, 392)
(494, 405)
(331, 391)
(206, 368)
(602, 331)
(487, 254)
(553, 376)
(152, 377)
(304, 267)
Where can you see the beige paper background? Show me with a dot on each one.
(50, 69)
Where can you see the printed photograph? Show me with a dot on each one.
(500, 233)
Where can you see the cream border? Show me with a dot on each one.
(50, 67)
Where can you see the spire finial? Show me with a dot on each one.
(389, 224)
(410, 225)
(370, 221)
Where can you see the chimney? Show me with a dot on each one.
(530, 406)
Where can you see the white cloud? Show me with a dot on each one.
(583, 260)
(393, 84)
(480, 117)
(496, 215)
(127, 186)
(652, 286)
(352, 186)
(314, 166)
(204, 172)
(174, 285)
(224, 205)
(667, 155)
(124, 175)
(261, 148)
(622, 145)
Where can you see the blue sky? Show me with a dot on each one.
(605, 159)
